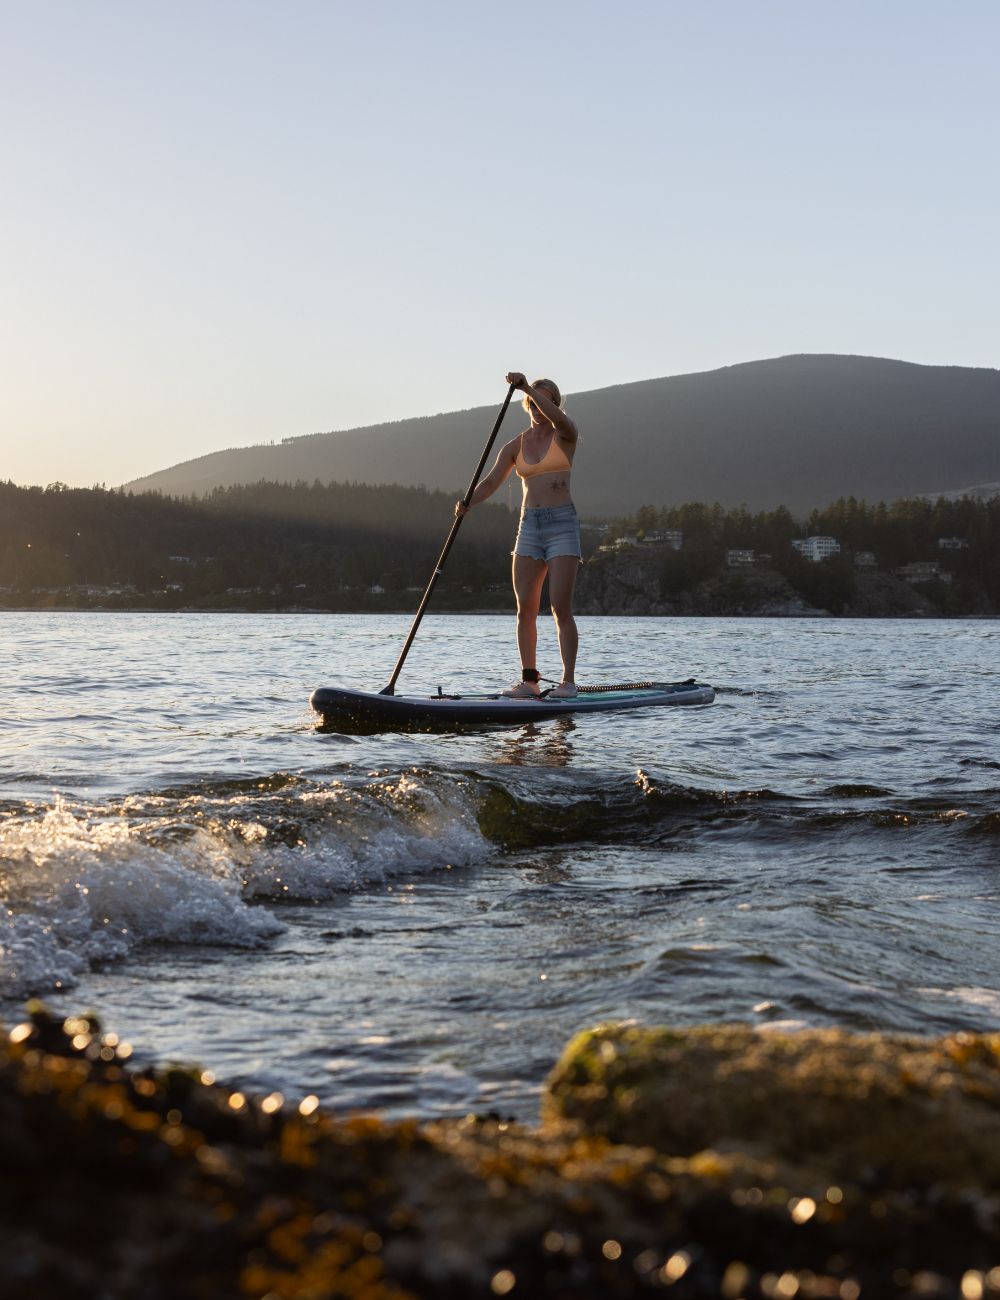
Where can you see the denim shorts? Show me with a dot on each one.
(548, 531)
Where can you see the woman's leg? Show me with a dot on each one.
(562, 577)
(528, 577)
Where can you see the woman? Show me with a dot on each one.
(548, 538)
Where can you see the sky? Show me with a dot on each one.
(245, 220)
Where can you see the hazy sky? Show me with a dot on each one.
(230, 221)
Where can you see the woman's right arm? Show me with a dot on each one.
(497, 475)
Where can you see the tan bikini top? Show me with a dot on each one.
(554, 461)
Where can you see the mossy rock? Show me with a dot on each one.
(902, 1110)
(122, 1182)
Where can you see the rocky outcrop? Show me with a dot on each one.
(713, 1162)
(631, 582)
(626, 582)
(880, 595)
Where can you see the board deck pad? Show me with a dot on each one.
(339, 705)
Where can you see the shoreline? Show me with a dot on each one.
(811, 616)
(794, 1174)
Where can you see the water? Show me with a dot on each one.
(421, 922)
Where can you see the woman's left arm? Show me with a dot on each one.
(557, 417)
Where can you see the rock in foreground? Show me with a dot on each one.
(116, 1182)
(899, 1109)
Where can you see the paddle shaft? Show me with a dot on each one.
(390, 688)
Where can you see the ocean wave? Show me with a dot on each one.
(985, 999)
(987, 823)
(81, 886)
(651, 810)
(78, 892)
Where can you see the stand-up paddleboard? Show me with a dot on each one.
(419, 712)
(387, 711)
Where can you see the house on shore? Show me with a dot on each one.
(923, 571)
(672, 537)
(816, 549)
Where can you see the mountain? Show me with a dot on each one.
(798, 431)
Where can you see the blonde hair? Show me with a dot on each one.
(550, 386)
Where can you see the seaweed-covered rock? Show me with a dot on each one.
(906, 1109)
(128, 1184)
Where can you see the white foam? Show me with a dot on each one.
(789, 1026)
(78, 889)
(78, 892)
(983, 998)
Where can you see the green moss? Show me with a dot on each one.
(915, 1110)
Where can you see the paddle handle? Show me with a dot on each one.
(390, 688)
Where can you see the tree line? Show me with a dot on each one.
(319, 544)
(897, 533)
(326, 545)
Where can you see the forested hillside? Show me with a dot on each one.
(799, 431)
(264, 543)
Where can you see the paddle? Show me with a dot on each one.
(390, 689)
